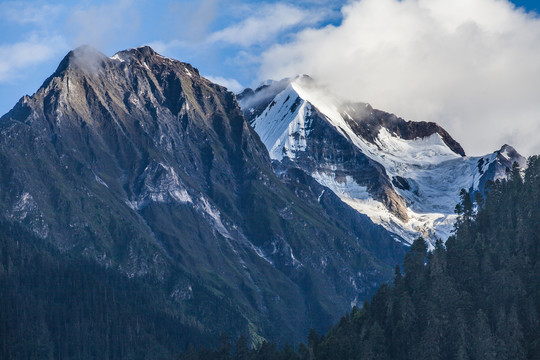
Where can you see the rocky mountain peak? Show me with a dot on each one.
(141, 52)
(86, 61)
(84, 57)
(146, 57)
(140, 55)
(138, 79)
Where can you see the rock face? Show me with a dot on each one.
(404, 175)
(141, 164)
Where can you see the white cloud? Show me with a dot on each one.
(266, 24)
(231, 84)
(470, 65)
(16, 57)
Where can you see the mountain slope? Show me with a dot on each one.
(475, 297)
(55, 306)
(143, 166)
(404, 175)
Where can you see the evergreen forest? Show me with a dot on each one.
(476, 297)
(57, 306)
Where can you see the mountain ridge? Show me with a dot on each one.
(405, 175)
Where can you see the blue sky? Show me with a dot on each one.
(239, 43)
(530, 5)
(35, 35)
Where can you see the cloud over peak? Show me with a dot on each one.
(471, 65)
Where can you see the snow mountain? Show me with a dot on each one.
(404, 175)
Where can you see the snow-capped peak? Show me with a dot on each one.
(284, 133)
(405, 176)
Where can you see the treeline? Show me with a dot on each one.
(53, 306)
(477, 297)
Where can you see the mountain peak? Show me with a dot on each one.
(127, 82)
(85, 50)
(303, 79)
(146, 56)
(511, 154)
(140, 53)
(88, 59)
(405, 175)
(84, 57)
(507, 148)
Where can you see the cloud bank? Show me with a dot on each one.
(470, 65)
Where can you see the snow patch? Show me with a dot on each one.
(284, 125)
(26, 210)
(430, 224)
(261, 254)
(342, 187)
(214, 216)
(117, 58)
(320, 196)
(161, 184)
(100, 180)
(166, 58)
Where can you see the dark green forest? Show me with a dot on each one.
(53, 306)
(477, 297)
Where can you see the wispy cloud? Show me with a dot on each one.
(265, 24)
(44, 31)
(471, 65)
(16, 57)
